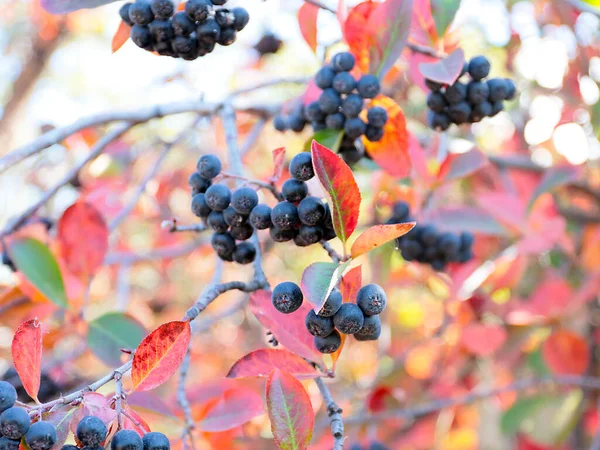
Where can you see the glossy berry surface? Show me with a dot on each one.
(8, 395)
(14, 422)
(349, 318)
(41, 436)
(294, 190)
(311, 211)
(479, 67)
(371, 299)
(287, 297)
(371, 329)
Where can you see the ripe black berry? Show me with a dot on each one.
(318, 325)
(335, 121)
(497, 107)
(223, 243)
(241, 18)
(371, 326)
(352, 105)
(368, 86)
(281, 235)
(343, 62)
(161, 30)
(185, 46)
(311, 211)
(497, 88)
(162, 9)
(330, 101)
(218, 197)
(352, 155)
(481, 110)
(466, 240)
(244, 199)
(140, 12)
(355, 127)
(218, 2)
(318, 126)
(313, 112)
(8, 396)
(216, 221)
(244, 253)
(324, 77)
(400, 211)
(411, 249)
(459, 112)
(328, 344)
(10, 444)
(438, 120)
(433, 85)
(479, 67)
(344, 83)
(156, 441)
(294, 190)
(91, 431)
(377, 116)
(349, 318)
(308, 235)
(227, 36)
(449, 244)
(296, 122)
(280, 123)
(287, 297)
(285, 215)
(436, 102)
(182, 25)
(208, 31)
(260, 217)
(124, 13)
(126, 440)
(208, 166)
(511, 90)
(477, 91)
(301, 167)
(332, 304)
(371, 299)
(198, 10)
(242, 232)
(199, 206)
(197, 183)
(41, 436)
(456, 93)
(224, 17)
(234, 218)
(14, 423)
(427, 234)
(374, 134)
(140, 35)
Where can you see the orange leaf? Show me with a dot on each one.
(590, 248)
(307, 19)
(337, 179)
(566, 353)
(278, 160)
(351, 283)
(354, 33)
(378, 235)
(235, 407)
(391, 152)
(422, 361)
(159, 355)
(261, 363)
(483, 340)
(120, 36)
(27, 355)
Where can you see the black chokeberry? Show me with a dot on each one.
(438, 264)
(285, 215)
(438, 121)
(477, 91)
(311, 211)
(343, 62)
(427, 234)
(433, 85)
(234, 218)
(91, 431)
(368, 86)
(124, 13)
(349, 318)
(244, 253)
(287, 297)
(377, 116)
(218, 2)
(436, 102)
(294, 190)
(218, 197)
(244, 199)
(216, 221)
(280, 123)
(208, 31)
(223, 243)
(371, 299)
(162, 9)
(460, 112)
(410, 249)
(335, 121)
(197, 183)
(296, 122)
(318, 126)
(199, 206)
(328, 234)
(374, 134)
(156, 441)
(352, 155)
(330, 101)
(14, 422)
(140, 12)
(308, 235)
(227, 36)
(41, 436)
(479, 67)
(352, 105)
(140, 36)
(481, 110)
(161, 30)
(126, 440)
(224, 17)
(497, 88)
(497, 107)
(242, 232)
(371, 326)
(10, 444)
(400, 211)
(319, 326)
(344, 83)
(198, 10)
(449, 244)
(301, 167)
(328, 344)
(332, 304)
(241, 18)
(182, 24)
(186, 47)
(324, 77)
(208, 166)
(355, 127)
(260, 217)
(269, 43)
(8, 396)
(313, 112)
(69, 447)
(511, 89)
(456, 93)
(281, 235)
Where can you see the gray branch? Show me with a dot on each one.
(335, 415)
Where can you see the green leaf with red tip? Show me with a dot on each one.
(378, 235)
(443, 12)
(338, 181)
(290, 411)
(319, 279)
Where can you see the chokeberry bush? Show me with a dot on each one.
(277, 238)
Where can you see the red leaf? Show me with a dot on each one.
(159, 355)
(307, 19)
(93, 404)
(120, 36)
(83, 238)
(462, 165)
(388, 29)
(378, 235)
(351, 284)
(319, 279)
(261, 363)
(445, 70)
(235, 407)
(278, 160)
(27, 355)
(483, 340)
(291, 332)
(61, 419)
(290, 411)
(392, 152)
(354, 33)
(566, 353)
(338, 181)
(135, 422)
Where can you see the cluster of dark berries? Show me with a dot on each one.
(189, 34)
(339, 107)
(226, 212)
(91, 433)
(468, 102)
(425, 244)
(360, 319)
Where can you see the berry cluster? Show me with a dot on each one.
(226, 212)
(425, 244)
(468, 102)
(339, 107)
(189, 34)
(360, 319)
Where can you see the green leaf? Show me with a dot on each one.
(536, 362)
(109, 333)
(35, 261)
(443, 12)
(554, 422)
(331, 139)
(319, 279)
(512, 419)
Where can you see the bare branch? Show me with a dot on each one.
(253, 136)
(119, 399)
(335, 415)
(333, 254)
(182, 399)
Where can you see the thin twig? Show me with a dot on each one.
(335, 415)
(333, 254)
(172, 226)
(231, 138)
(119, 399)
(182, 399)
